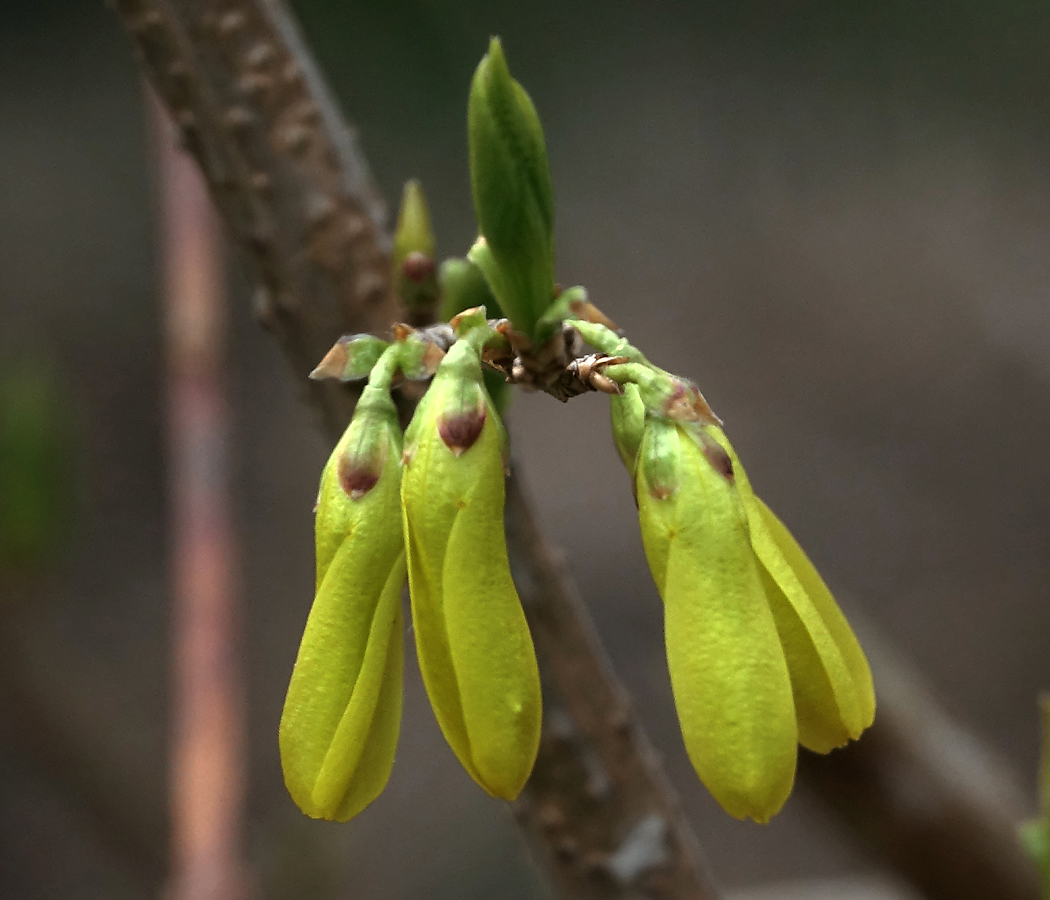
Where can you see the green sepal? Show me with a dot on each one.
(351, 358)
(474, 647)
(728, 672)
(627, 416)
(513, 196)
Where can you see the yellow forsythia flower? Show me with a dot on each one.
(342, 713)
(474, 647)
(760, 655)
(728, 672)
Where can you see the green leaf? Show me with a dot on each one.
(513, 195)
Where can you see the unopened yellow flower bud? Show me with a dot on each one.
(342, 713)
(728, 671)
(473, 642)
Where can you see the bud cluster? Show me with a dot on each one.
(760, 657)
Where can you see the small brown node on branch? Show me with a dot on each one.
(253, 84)
(551, 817)
(567, 848)
(291, 74)
(237, 118)
(260, 55)
(148, 20)
(295, 139)
(319, 209)
(230, 23)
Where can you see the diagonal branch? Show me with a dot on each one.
(282, 166)
(294, 190)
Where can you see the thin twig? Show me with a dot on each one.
(207, 743)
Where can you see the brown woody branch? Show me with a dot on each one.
(282, 167)
(294, 191)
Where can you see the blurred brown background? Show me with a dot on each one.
(835, 217)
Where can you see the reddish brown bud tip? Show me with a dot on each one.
(402, 331)
(356, 480)
(459, 432)
(332, 365)
(587, 311)
(467, 313)
(418, 267)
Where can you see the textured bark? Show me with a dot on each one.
(282, 167)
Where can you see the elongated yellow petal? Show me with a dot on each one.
(829, 611)
(728, 672)
(492, 651)
(347, 665)
(828, 702)
(360, 757)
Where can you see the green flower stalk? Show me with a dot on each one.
(513, 196)
(474, 647)
(342, 714)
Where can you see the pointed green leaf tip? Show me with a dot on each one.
(342, 713)
(474, 646)
(513, 196)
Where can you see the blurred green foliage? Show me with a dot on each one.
(36, 483)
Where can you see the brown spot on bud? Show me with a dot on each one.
(417, 267)
(718, 458)
(459, 432)
(355, 479)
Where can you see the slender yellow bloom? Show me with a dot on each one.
(830, 677)
(728, 672)
(342, 713)
(474, 647)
